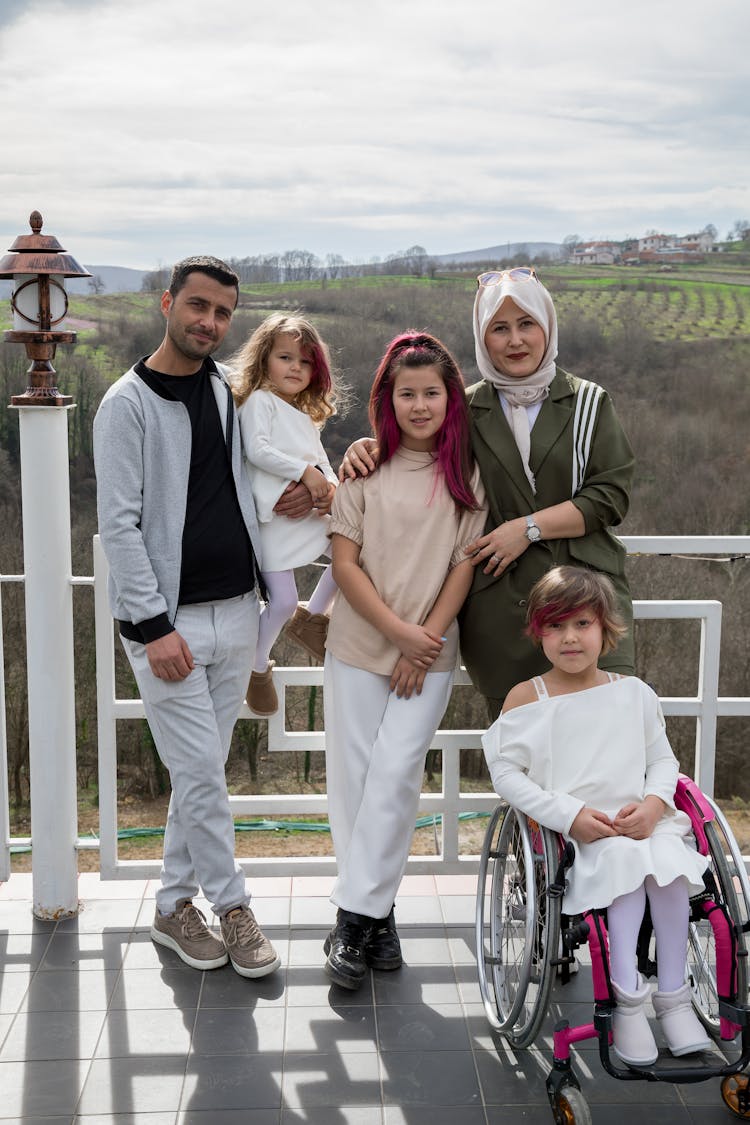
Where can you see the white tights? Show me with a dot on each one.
(281, 604)
(670, 915)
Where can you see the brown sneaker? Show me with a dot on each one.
(187, 934)
(261, 694)
(309, 630)
(250, 952)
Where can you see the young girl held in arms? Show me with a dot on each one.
(398, 560)
(285, 391)
(584, 752)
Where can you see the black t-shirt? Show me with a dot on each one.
(217, 555)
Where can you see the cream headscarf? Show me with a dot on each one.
(533, 298)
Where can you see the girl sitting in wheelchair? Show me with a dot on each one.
(585, 753)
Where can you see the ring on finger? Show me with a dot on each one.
(494, 560)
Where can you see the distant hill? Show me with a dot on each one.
(117, 279)
(504, 250)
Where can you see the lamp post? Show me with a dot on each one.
(37, 265)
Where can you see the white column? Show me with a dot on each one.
(49, 641)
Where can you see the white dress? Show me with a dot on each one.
(279, 442)
(604, 747)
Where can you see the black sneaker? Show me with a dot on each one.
(382, 947)
(345, 949)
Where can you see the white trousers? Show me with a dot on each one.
(375, 751)
(192, 722)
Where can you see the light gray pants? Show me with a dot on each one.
(191, 722)
(375, 750)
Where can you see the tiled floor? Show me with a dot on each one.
(99, 1025)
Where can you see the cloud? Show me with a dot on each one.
(354, 128)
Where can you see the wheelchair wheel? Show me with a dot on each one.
(517, 924)
(735, 1094)
(731, 881)
(570, 1107)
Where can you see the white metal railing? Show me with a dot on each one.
(705, 706)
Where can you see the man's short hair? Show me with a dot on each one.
(202, 263)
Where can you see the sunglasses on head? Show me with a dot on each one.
(518, 273)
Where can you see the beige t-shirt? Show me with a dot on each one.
(411, 535)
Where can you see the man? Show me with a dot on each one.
(178, 526)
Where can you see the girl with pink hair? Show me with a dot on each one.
(402, 574)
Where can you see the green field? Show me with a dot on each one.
(709, 301)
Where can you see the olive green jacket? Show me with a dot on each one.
(494, 648)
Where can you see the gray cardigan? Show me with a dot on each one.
(142, 445)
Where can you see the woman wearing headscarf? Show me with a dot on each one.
(557, 470)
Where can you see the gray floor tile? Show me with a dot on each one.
(310, 987)
(716, 1114)
(511, 1077)
(417, 910)
(230, 1082)
(152, 988)
(26, 1120)
(133, 1085)
(318, 912)
(224, 988)
(429, 1078)
(16, 918)
(84, 952)
(425, 947)
(103, 914)
(271, 912)
(21, 953)
(646, 1112)
(238, 1031)
(230, 1117)
(414, 984)
(140, 1032)
(13, 989)
(40, 1089)
(306, 948)
(52, 1035)
(62, 991)
(125, 1118)
(143, 953)
(333, 1115)
(334, 1079)
(422, 1027)
(462, 945)
(346, 1028)
(432, 1115)
(458, 910)
(189, 1048)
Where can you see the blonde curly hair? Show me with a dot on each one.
(250, 364)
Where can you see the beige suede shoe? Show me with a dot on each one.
(309, 630)
(261, 694)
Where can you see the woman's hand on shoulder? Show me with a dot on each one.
(407, 679)
(591, 825)
(496, 550)
(519, 696)
(360, 459)
(639, 819)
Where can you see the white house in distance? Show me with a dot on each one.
(596, 253)
(652, 247)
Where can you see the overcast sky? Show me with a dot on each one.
(146, 130)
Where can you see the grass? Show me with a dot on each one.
(705, 301)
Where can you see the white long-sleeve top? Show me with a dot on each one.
(279, 442)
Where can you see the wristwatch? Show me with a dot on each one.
(533, 534)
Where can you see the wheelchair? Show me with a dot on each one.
(525, 941)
